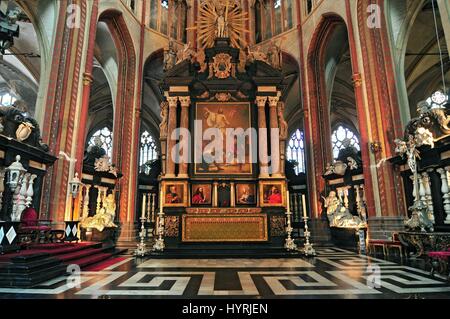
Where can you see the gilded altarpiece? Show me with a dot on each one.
(221, 201)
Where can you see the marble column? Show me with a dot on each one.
(185, 101)
(87, 188)
(445, 194)
(428, 195)
(163, 133)
(172, 125)
(274, 137)
(262, 136)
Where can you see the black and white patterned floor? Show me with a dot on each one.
(334, 273)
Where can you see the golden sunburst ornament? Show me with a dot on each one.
(221, 19)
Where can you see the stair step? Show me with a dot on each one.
(29, 267)
(90, 260)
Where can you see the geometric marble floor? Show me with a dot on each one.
(333, 273)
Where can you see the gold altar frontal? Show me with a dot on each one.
(224, 228)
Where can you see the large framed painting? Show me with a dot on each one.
(201, 194)
(234, 157)
(272, 193)
(245, 194)
(175, 194)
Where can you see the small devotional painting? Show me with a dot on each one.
(233, 157)
(245, 194)
(272, 194)
(201, 194)
(175, 194)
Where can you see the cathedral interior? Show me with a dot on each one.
(224, 148)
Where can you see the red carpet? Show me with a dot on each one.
(105, 264)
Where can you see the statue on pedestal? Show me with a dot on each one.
(170, 57)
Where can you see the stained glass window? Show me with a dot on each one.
(149, 150)
(296, 151)
(340, 137)
(106, 138)
(6, 99)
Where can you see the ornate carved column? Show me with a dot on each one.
(2, 186)
(170, 168)
(87, 188)
(445, 193)
(30, 191)
(232, 195)
(274, 137)
(262, 135)
(447, 210)
(185, 101)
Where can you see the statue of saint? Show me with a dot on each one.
(221, 23)
(105, 216)
(283, 125)
(274, 56)
(338, 215)
(187, 53)
(170, 57)
(164, 117)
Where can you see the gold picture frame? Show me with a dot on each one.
(236, 115)
(272, 193)
(175, 194)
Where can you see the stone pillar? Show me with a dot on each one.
(185, 101)
(274, 140)
(262, 135)
(85, 213)
(172, 125)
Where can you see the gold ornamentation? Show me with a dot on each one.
(221, 66)
(171, 226)
(221, 19)
(223, 97)
(357, 80)
(219, 228)
(277, 225)
(105, 216)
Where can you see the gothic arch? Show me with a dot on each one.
(126, 130)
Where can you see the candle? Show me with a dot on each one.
(161, 202)
(288, 201)
(304, 205)
(143, 206)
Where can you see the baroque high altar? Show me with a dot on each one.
(207, 197)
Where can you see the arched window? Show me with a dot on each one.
(296, 151)
(272, 17)
(438, 100)
(340, 136)
(149, 150)
(6, 99)
(169, 17)
(106, 137)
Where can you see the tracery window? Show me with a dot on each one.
(296, 151)
(272, 17)
(148, 150)
(438, 100)
(106, 137)
(340, 136)
(6, 99)
(309, 6)
(169, 17)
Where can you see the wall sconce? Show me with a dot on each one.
(75, 186)
(375, 147)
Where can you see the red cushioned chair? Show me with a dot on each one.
(439, 262)
(33, 229)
